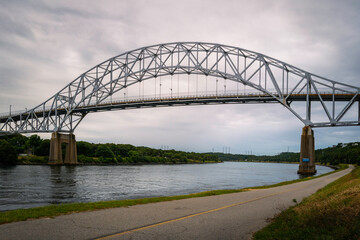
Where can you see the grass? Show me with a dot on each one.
(32, 159)
(341, 167)
(61, 209)
(331, 213)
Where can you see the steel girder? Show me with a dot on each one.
(274, 80)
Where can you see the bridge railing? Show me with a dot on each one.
(148, 97)
(173, 96)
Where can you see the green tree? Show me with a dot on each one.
(86, 149)
(18, 142)
(104, 151)
(43, 149)
(8, 155)
(34, 141)
(134, 156)
(124, 149)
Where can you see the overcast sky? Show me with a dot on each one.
(44, 45)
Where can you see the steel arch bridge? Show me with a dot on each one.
(147, 73)
(272, 80)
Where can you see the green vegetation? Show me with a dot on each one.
(31, 145)
(341, 153)
(340, 167)
(33, 159)
(129, 154)
(282, 157)
(90, 153)
(37, 151)
(56, 210)
(8, 155)
(331, 213)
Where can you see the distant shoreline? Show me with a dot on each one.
(114, 164)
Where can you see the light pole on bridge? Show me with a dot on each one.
(217, 80)
(160, 89)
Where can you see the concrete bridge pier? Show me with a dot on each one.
(307, 152)
(56, 146)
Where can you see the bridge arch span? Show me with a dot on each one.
(269, 79)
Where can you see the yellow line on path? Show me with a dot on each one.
(192, 215)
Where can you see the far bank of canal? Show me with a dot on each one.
(26, 186)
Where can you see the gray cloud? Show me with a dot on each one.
(45, 44)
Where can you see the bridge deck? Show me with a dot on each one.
(180, 101)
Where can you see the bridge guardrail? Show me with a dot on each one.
(147, 98)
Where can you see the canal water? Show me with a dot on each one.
(26, 186)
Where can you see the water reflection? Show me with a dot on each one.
(63, 184)
(6, 171)
(30, 186)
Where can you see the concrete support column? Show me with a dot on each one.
(56, 156)
(307, 152)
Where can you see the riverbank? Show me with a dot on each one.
(22, 149)
(43, 160)
(335, 167)
(55, 210)
(225, 216)
(331, 213)
(340, 153)
(115, 164)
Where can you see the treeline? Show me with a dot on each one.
(32, 145)
(99, 153)
(282, 157)
(126, 153)
(341, 153)
(12, 146)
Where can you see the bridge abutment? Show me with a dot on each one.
(56, 149)
(307, 152)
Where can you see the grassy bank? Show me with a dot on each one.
(331, 213)
(61, 209)
(339, 168)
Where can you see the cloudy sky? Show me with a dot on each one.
(46, 44)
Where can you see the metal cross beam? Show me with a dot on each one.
(270, 80)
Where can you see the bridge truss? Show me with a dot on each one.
(229, 75)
